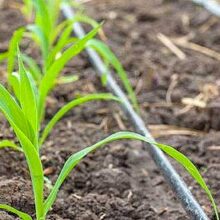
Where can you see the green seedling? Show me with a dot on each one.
(58, 55)
(25, 110)
(51, 51)
(9, 144)
(53, 38)
(23, 116)
(51, 35)
(44, 82)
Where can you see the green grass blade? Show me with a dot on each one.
(21, 127)
(28, 99)
(35, 169)
(63, 39)
(34, 69)
(71, 105)
(77, 157)
(192, 170)
(43, 17)
(40, 38)
(67, 79)
(85, 19)
(109, 56)
(15, 40)
(71, 40)
(66, 24)
(10, 144)
(66, 32)
(20, 214)
(54, 11)
(13, 112)
(50, 76)
(15, 84)
(58, 49)
(58, 29)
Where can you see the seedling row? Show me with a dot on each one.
(23, 101)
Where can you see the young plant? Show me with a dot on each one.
(51, 35)
(53, 38)
(54, 41)
(58, 54)
(22, 113)
(25, 111)
(44, 82)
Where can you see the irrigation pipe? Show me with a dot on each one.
(189, 203)
(211, 5)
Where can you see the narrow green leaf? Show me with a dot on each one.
(20, 214)
(77, 157)
(104, 76)
(28, 99)
(15, 40)
(24, 133)
(109, 56)
(43, 17)
(85, 19)
(41, 39)
(67, 79)
(54, 11)
(35, 169)
(58, 29)
(15, 84)
(13, 112)
(62, 42)
(67, 28)
(71, 105)
(192, 170)
(10, 144)
(33, 67)
(71, 40)
(66, 24)
(50, 76)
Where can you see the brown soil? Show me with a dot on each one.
(120, 181)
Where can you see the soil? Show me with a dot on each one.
(120, 181)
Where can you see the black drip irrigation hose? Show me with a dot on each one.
(211, 5)
(189, 203)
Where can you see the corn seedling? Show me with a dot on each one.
(22, 113)
(25, 109)
(48, 80)
(47, 76)
(23, 116)
(53, 37)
